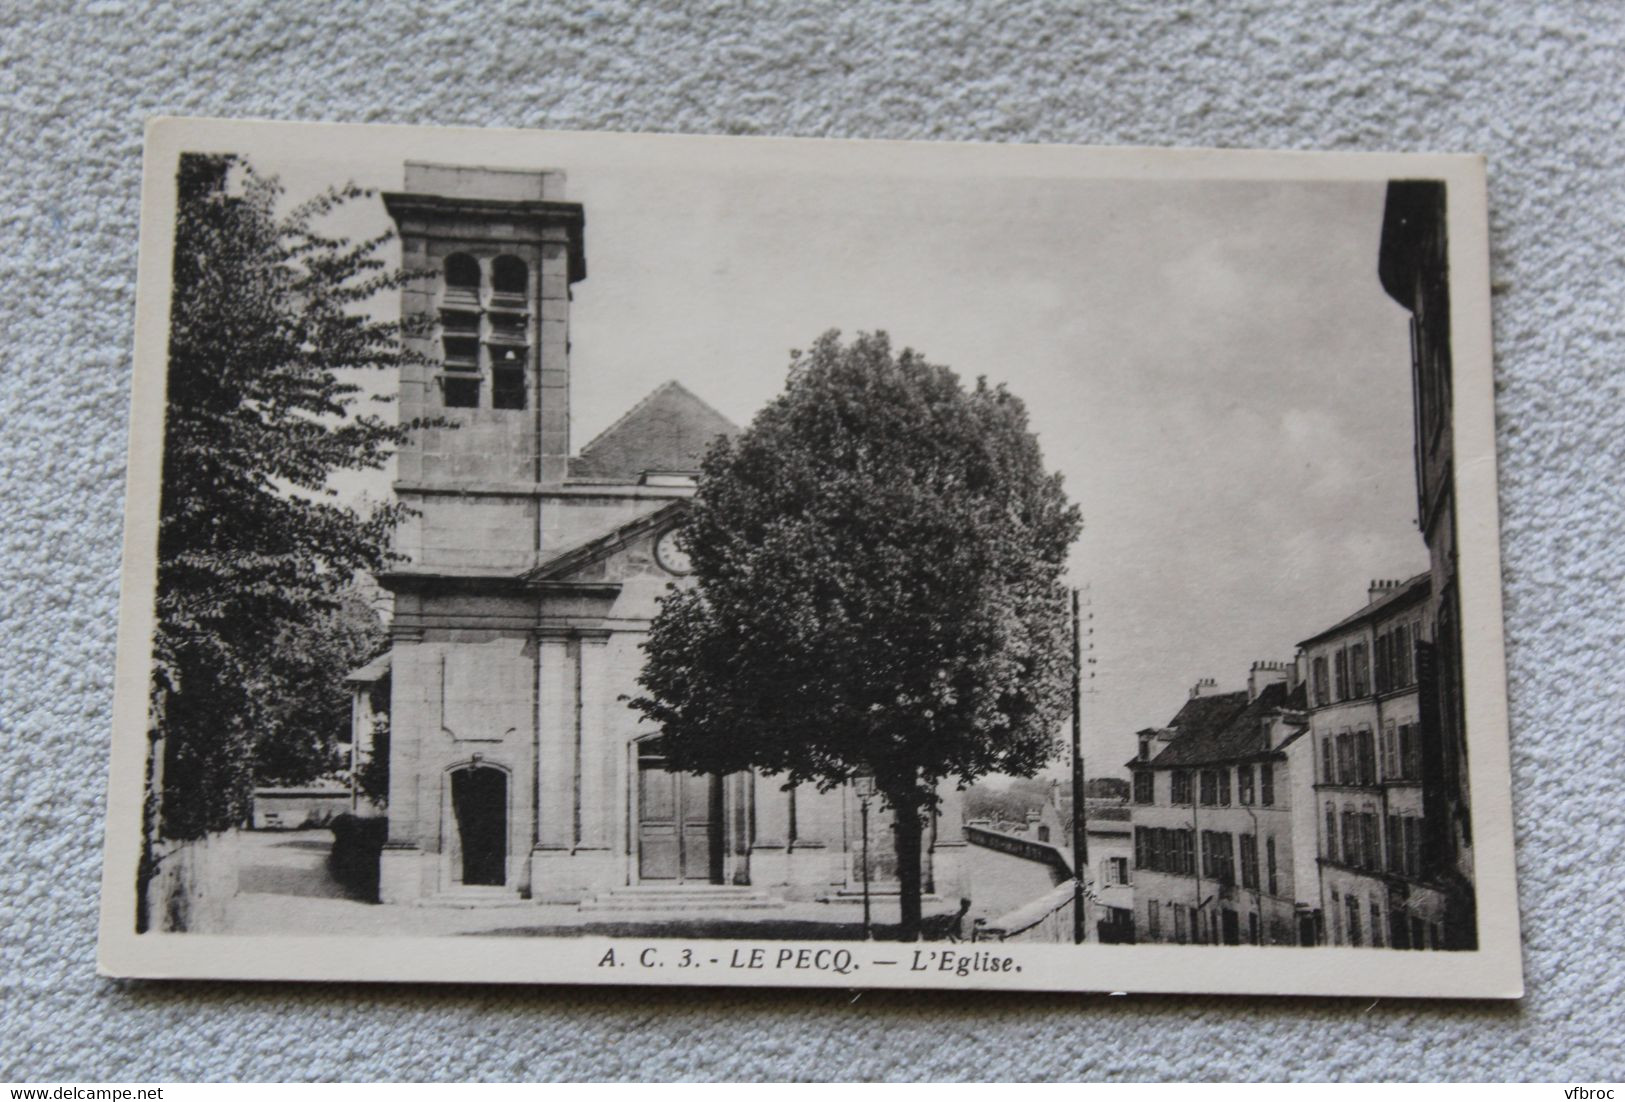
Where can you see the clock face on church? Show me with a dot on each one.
(669, 555)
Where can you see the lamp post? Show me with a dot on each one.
(864, 784)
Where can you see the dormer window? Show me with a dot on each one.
(1145, 749)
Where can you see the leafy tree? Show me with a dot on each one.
(307, 705)
(269, 325)
(878, 565)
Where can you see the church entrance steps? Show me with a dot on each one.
(680, 898)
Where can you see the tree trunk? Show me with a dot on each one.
(906, 818)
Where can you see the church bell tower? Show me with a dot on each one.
(498, 250)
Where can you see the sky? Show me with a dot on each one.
(1211, 364)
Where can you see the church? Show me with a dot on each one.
(528, 574)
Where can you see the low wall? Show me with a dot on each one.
(1000, 873)
(192, 883)
(1046, 918)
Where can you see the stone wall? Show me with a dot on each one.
(192, 884)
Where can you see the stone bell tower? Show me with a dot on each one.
(500, 249)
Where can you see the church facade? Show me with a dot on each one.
(529, 574)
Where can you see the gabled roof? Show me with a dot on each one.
(668, 431)
(1227, 732)
(573, 558)
(1412, 591)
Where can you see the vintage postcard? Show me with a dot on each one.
(609, 558)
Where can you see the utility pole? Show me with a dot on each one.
(1080, 843)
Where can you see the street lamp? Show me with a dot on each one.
(863, 783)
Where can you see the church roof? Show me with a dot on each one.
(668, 431)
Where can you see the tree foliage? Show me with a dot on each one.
(306, 705)
(878, 564)
(268, 327)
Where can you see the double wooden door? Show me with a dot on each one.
(679, 824)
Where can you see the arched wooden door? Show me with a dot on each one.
(479, 805)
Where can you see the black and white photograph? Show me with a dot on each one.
(590, 558)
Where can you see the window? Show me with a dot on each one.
(1180, 934)
(1218, 856)
(1376, 925)
(1331, 833)
(1413, 845)
(1269, 860)
(1351, 838)
(1340, 668)
(1145, 749)
(509, 276)
(1345, 758)
(463, 274)
(461, 391)
(1353, 906)
(1266, 783)
(1366, 759)
(1244, 784)
(1114, 870)
(508, 328)
(1395, 665)
(1181, 787)
(1323, 691)
(1371, 844)
(1153, 918)
(1210, 788)
(1328, 769)
(1043, 833)
(462, 353)
(1144, 786)
(1249, 861)
(1337, 920)
(1224, 787)
(1396, 845)
(1359, 670)
(508, 378)
(1390, 752)
(463, 322)
(1410, 752)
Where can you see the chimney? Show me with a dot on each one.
(1380, 588)
(1205, 686)
(1264, 674)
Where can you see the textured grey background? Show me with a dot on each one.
(1540, 89)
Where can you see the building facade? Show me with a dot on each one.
(528, 579)
(1414, 270)
(1219, 821)
(1365, 718)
